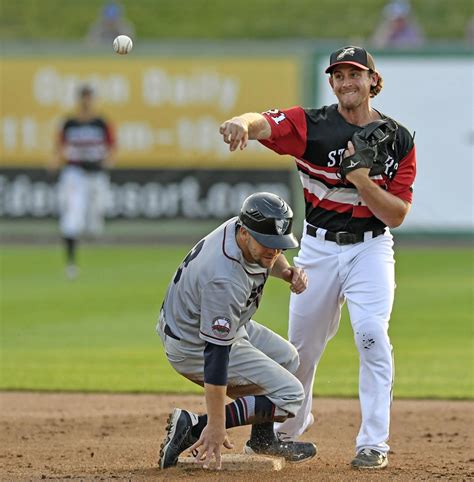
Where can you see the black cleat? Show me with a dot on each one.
(292, 451)
(178, 437)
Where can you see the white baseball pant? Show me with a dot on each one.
(363, 275)
(83, 198)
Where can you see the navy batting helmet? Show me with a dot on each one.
(268, 218)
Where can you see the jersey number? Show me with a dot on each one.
(276, 118)
(190, 256)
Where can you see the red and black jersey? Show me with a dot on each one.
(86, 143)
(317, 138)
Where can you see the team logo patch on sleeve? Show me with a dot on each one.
(221, 327)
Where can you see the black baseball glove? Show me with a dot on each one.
(370, 146)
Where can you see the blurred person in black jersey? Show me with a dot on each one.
(84, 150)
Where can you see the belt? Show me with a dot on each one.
(168, 332)
(344, 237)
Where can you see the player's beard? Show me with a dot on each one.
(254, 252)
(351, 102)
(266, 262)
(353, 98)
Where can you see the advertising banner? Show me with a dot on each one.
(147, 194)
(166, 112)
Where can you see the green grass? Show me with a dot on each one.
(97, 333)
(211, 19)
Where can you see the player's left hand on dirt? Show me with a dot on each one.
(209, 445)
(370, 148)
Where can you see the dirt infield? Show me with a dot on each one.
(117, 437)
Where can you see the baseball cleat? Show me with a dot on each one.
(369, 459)
(178, 437)
(295, 452)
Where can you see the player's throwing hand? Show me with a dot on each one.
(235, 132)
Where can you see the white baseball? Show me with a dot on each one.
(123, 44)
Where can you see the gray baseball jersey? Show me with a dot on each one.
(211, 298)
(215, 291)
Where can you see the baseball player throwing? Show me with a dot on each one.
(209, 337)
(346, 249)
(85, 147)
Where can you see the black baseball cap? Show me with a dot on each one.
(351, 55)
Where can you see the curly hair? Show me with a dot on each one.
(375, 89)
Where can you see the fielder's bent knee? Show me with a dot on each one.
(371, 338)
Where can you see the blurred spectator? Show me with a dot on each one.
(469, 34)
(110, 24)
(398, 28)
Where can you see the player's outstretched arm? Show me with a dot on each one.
(237, 131)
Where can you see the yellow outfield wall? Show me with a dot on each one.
(166, 112)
